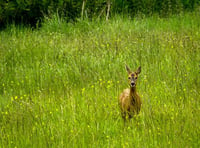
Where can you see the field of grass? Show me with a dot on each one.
(59, 84)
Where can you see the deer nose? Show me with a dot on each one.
(132, 84)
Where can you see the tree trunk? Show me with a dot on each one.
(83, 8)
(108, 10)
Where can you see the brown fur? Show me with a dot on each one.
(129, 100)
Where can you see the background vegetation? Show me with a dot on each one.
(59, 84)
(33, 11)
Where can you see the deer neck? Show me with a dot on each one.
(132, 92)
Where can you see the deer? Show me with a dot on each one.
(129, 100)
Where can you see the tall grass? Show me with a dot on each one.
(60, 83)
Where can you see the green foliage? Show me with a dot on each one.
(33, 11)
(22, 11)
(59, 84)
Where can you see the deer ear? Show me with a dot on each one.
(128, 69)
(138, 70)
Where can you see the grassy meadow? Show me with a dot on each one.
(59, 84)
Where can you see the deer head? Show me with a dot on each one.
(132, 76)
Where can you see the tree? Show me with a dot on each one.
(108, 9)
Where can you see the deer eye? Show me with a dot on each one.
(136, 78)
(129, 78)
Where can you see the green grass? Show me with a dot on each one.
(59, 84)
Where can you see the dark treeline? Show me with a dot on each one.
(33, 11)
